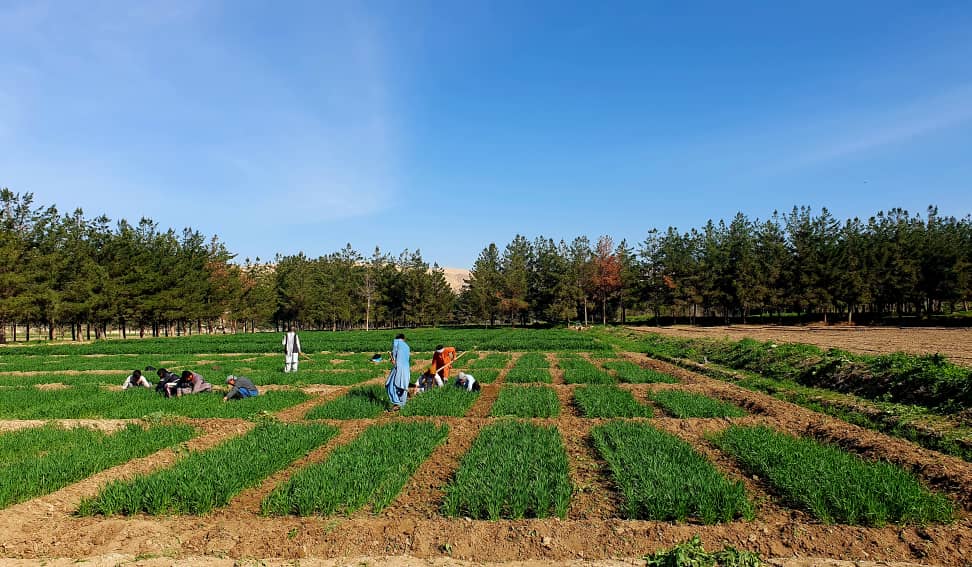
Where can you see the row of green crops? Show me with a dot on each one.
(526, 401)
(445, 401)
(532, 360)
(493, 360)
(485, 376)
(209, 479)
(661, 477)
(94, 402)
(342, 341)
(580, 371)
(527, 375)
(600, 400)
(513, 470)
(371, 469)
(833, 485)
(359, 403)
(683, 405)
(631, 373)
(40, 460)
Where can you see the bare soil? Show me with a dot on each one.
(412, 530)
(956, 344)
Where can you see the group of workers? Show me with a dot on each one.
(172, 385)
(436, 375)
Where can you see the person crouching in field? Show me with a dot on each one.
(428, 380)
(136, 380)
(192, 383)
(165, 379)
(467, 382)
(241, 387)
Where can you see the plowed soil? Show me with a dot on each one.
(412, 531)
(956, 344)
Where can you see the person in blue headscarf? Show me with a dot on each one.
(399, 377)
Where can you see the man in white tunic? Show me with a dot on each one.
(291, 344)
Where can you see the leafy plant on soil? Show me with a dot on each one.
(526, 401)
(661, 477)
(371, 469)
(40, 460)
(683, 404)
(599, 400)
(691, 554)
(209, 479)
(513, 470)
(833, 485)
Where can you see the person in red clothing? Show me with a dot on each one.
(442, 361)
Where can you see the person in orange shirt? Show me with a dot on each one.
(442, 360)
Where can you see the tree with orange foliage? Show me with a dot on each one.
(606, 277)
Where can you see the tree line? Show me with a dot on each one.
(76, 276)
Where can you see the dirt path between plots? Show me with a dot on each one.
(412, 531)
(956, 344)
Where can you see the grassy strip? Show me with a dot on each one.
(631, 373)
(371, 469)
(359, 403)
(532, 360)
(494, 360)
(662, 478)
(580, 371)
(91, 402)
(447, 400)
(609, 401)
(526, 401)
(513, 470)
(209, 479)
(691, 554)
(487, 376)
(526, 375)
(833, 485)
(688, 404)
(330, 377)
(41, 460)
(366, 342)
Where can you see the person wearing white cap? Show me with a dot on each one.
(467, 381)
(242, 387)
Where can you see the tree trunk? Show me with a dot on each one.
(585, 311)
(604, 310)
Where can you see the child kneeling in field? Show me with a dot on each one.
(242, 387)
(428, 380)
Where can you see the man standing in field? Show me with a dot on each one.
(291, 344)
(399, 378)
(442, 361)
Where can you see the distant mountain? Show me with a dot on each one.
(456, 277)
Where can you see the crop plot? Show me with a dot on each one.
(687, 404)
(445, 401)
(526, 401)
(92, 401)
(661, 477)
(40, 460)
(532, 360)
(372, 469)
(527, 375)
(494, 360)
(832, 484)
(601, 400)
(580, 371)
(209, 479)
(485, 376)
(329, 377)
(359, 403)
(631, 373)
(513, 470)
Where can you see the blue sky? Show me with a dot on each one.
(443, 126)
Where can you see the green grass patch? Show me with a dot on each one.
(683, 404)
(94, 402)
(359, 403)
(493, 360)
(372, 469)
(600, 400)
(532, 360)
(40, 460)
(691, 554)
(661, 477)
(445, 401)
(833, 485)
(513, 470)
(487, 376)
(526, 401)
(631, 373)
(209, 479)
(526, 375)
